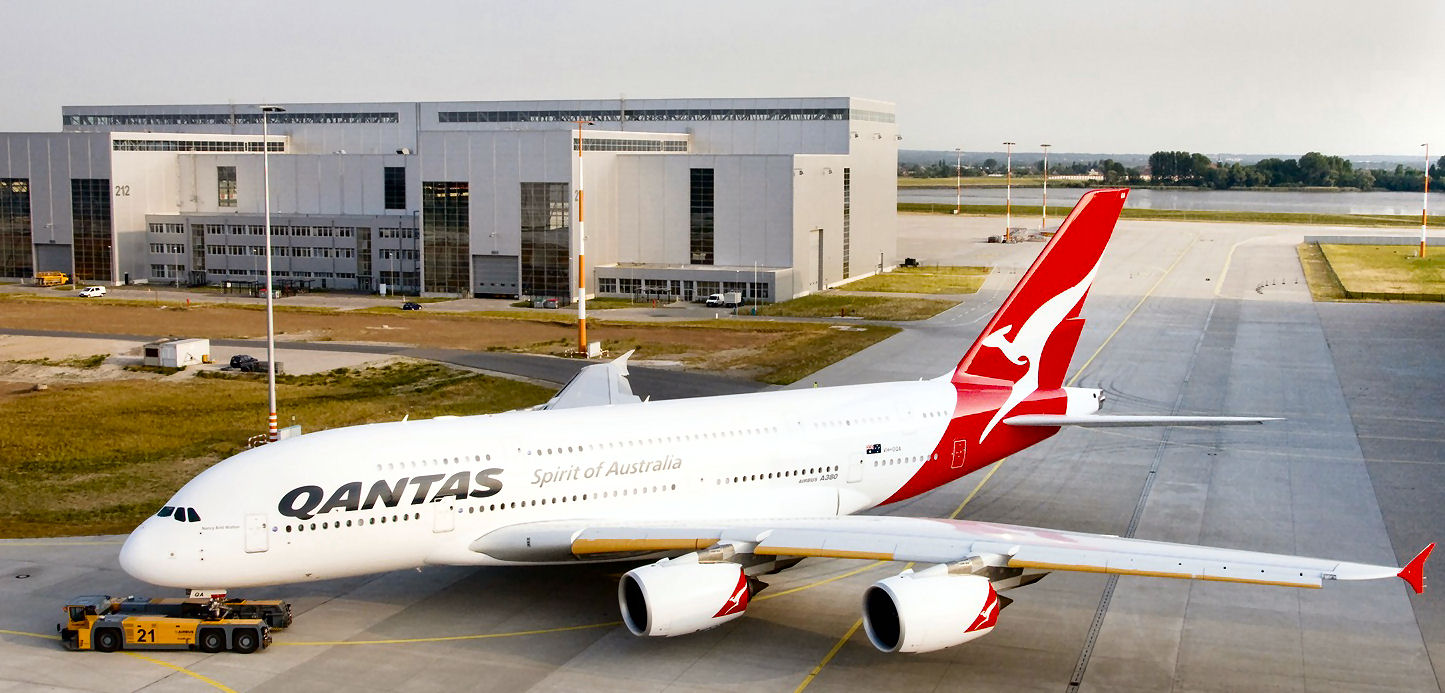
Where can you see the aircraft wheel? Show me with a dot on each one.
(107, 640)
(245, 640)
(212, 640)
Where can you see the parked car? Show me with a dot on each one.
(411, 305)
(92, 291)
(241, 359)
(550, 303)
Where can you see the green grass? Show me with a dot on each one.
(122, 447)
(86, 362)
(1027, 212)
(808, 352)
(1324, 286)
(924, 280)
(868, 307)
(1386, 271)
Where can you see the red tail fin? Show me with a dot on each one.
(1033, 335)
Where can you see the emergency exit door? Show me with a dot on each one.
(257, 534)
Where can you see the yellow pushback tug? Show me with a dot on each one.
(107, 624)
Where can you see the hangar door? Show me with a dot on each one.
(495, 275)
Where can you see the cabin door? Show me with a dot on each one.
(446, 516)
(257, 534)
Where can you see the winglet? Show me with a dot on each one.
(1414, 571)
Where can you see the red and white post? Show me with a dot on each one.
(1425, 205)
(581, 247)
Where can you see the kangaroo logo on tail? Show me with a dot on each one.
(1027, 345)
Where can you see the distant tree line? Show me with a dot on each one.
(1109, 171)
(1191, 169)
(1311, 170)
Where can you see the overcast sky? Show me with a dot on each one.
(1281, 76)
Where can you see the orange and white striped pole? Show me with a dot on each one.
(581, 248)
(271, 435)
(1425, 205)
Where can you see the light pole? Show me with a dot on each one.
(1425, 205)
(416, 243)
(957, 179)
(581, 247)
(1044, 215)
(1008, 191)
(270, 289)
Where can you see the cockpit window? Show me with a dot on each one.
(191, 515)
(166, 511)
(180, 515)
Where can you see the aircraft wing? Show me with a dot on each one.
(928, 540)
(596, 385)
(1116, 420)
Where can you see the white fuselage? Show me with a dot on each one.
(389, 496)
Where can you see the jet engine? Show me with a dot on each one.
(681, 595)
(929, 610)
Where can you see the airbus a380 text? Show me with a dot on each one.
(721, 489)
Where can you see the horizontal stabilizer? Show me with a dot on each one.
(1111, 420)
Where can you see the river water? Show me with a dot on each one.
(1222, 200)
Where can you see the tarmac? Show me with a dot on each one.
(1184, 318)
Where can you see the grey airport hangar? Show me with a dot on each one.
(773, 198)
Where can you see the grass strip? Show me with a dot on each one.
(1324, 286)
(87, 362)
(123, 447)
(865, 307)
(1386, 272)
(924, 280)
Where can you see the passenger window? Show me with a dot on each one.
(166, 511)
(191, 515)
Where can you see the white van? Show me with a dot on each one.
(92, 291)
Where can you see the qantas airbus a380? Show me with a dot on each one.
(721, 489)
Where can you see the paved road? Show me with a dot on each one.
(1185, 318)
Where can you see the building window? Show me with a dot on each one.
(701, 224)
(606, 286)
(226, 186)
(546, 240)
(445, 211)
(228, 118)
(394, 187)
(634, 115)
(90, 219)
(15, 228)
(847, 217)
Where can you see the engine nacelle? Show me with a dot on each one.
(928, 610)
(680, 596)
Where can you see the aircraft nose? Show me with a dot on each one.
(144, 556)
